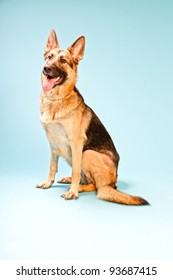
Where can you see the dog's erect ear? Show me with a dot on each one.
(52, 42)
(77, 49)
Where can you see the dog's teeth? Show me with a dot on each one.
(57, 79)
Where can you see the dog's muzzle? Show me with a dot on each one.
(53, 77)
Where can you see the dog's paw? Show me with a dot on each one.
(65, 180)
(70, 195)
(44, 185)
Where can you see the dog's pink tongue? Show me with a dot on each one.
(48, 84)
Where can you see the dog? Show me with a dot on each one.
(74, 131)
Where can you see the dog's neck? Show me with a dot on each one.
(54, 107)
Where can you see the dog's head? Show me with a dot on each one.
(60, 66)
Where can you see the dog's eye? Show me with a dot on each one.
(50, 56)
(62, 60)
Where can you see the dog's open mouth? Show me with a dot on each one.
(50, 81)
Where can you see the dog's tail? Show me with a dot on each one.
(111, 194)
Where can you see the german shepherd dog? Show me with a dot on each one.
(74, 131)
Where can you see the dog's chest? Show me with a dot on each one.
(58, 139)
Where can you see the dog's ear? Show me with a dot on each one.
(77, 49)
(52, 42)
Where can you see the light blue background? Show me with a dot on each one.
(126, 77)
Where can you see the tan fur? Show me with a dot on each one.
(67, 120)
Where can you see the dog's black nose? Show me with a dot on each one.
(47, 70)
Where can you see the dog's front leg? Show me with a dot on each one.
(76, 147)
(52, 172)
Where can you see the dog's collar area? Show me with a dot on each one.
(60, 97)
(57, 98)
(53, 99)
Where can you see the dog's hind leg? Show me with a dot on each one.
(87, 188)
(103, 172)
(99, 168)
(68, 180)
(65, 180)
